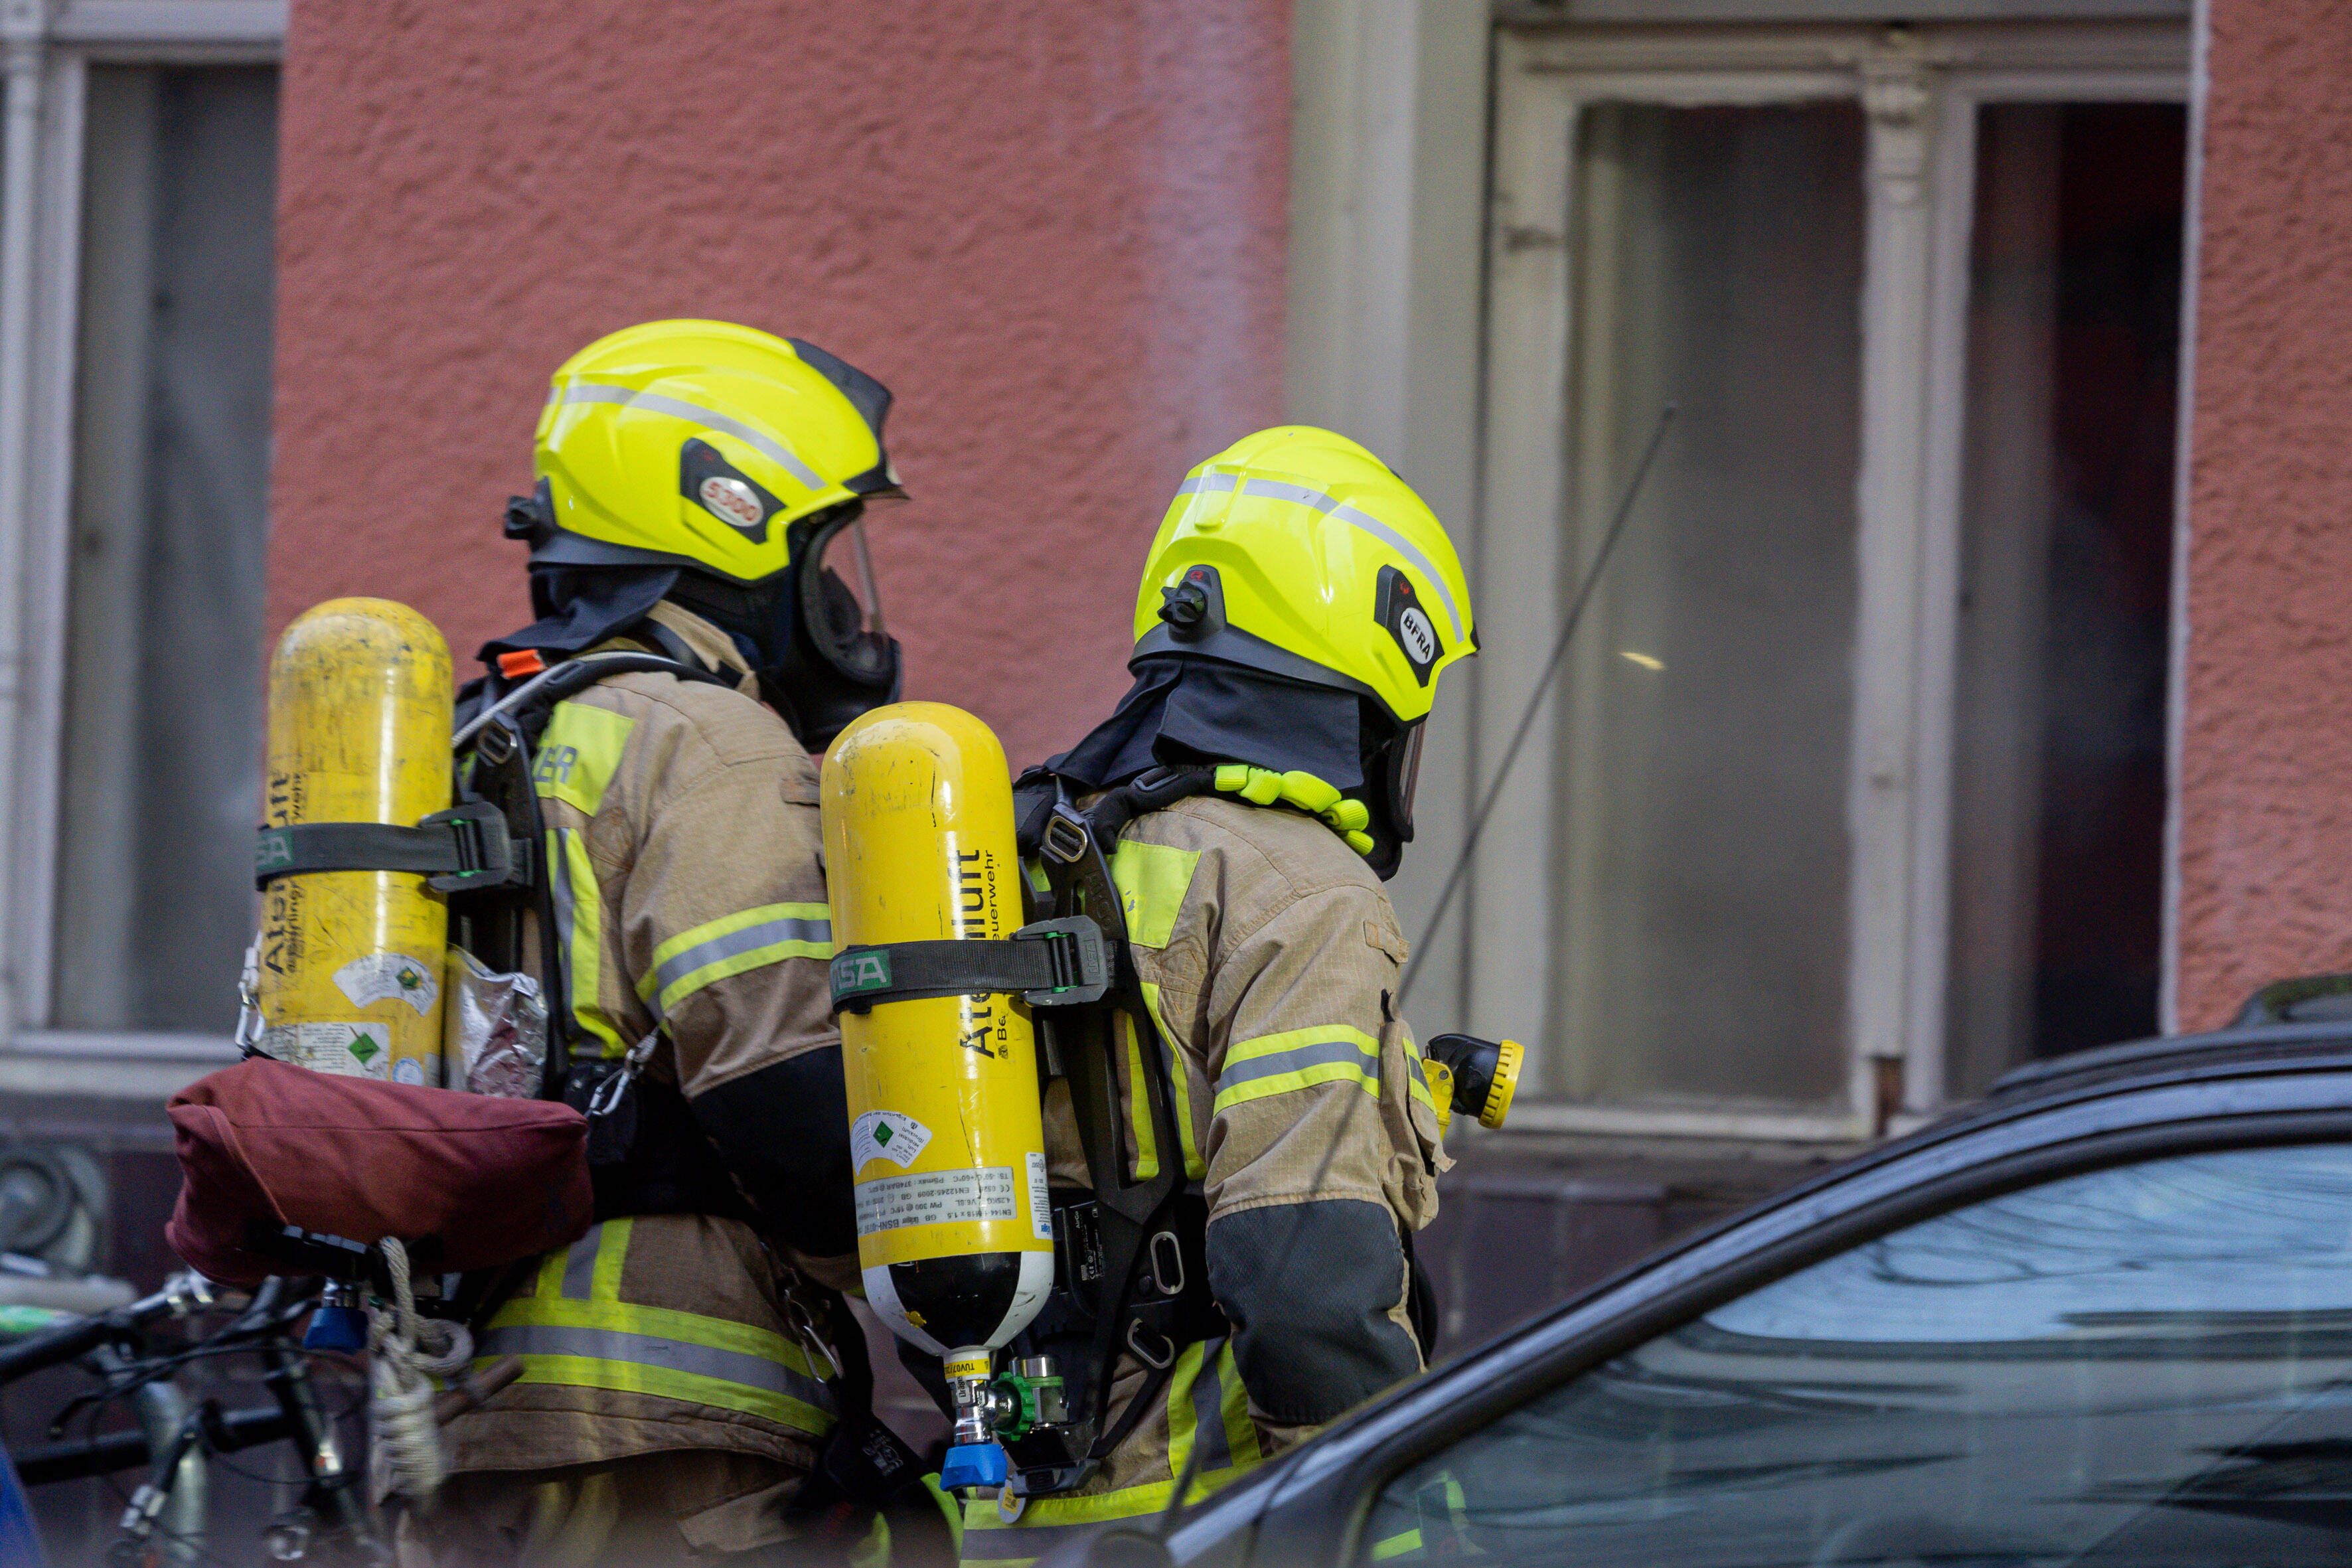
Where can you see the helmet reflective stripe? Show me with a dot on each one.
(1332, 506)
(1247, 568)
(626, 445)
(654, 402)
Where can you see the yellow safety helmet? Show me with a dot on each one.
(1296, 551)
(699, 444)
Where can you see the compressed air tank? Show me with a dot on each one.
(349, 968)
(955, 1231)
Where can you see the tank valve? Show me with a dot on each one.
(1029, 1396)
(973, 1458)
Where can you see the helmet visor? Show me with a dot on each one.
(1400, 761)
(841, 602)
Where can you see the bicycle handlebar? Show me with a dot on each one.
(181, 1295)
(55, 1347)
(114, 1451)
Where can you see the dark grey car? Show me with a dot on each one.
(2104, 1317)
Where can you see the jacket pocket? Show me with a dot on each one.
(1417, 1153)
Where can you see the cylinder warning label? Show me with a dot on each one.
(1041, 1198)
(936, 1198)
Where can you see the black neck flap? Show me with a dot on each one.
(1182, 711)
(580, 607)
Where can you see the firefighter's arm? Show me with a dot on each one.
(727, 935)
(1303, 1246)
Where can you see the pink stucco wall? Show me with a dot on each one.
(1054, 229)
(2266, 766)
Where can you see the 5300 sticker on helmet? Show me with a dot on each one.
(732, 500)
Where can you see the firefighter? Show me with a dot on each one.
(1297, 606)
(700, 495)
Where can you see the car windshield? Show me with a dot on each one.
(2146, 1364)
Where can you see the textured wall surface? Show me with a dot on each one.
(1056, 231)
(2265, 781)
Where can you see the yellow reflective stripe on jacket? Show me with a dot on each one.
(1152, 879)
(1416, 1081)
(1179, 1079)
(579, 753)
(1206, 1404)
(576, 1332)
(1298, 1058)
(731, 944)
(1139, 1099)
(580, 934)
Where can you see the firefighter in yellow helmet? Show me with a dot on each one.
(700, 508)
(1252, 792)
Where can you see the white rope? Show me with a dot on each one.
(405, 1351)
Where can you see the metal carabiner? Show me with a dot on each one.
(1175, 1253)
(1160, 1363)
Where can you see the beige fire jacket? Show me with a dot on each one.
(1269, 957)
(683, 844)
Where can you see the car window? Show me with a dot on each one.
(2148, 1365)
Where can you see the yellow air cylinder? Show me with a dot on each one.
(350, 972)
(948, 1150)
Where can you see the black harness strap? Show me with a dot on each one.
(460, 849)
(1130, 1215)
(1051, 963)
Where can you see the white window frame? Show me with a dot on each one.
(46, 50)
(1918, 87)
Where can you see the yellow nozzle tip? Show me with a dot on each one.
(1507, 1059)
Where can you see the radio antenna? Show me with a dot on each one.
(1576, 607)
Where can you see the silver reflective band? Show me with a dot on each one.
(580, 1264)
(669, 1355)
(1209, 1409)
(654, 402)
(559, 871)
(1275, 489)
(679, 965)
(1295, 1059)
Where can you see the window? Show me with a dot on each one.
(2144, 1364)
(1718, 265)
(1850, 793)
(2066, 582)
(171, 490)
(134, 393)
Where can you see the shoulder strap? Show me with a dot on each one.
(1140, 1305)
(557, 682)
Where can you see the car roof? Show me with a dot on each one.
(2268, 1047)
(2022, 1096)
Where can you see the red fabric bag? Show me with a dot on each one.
(470, 1181)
